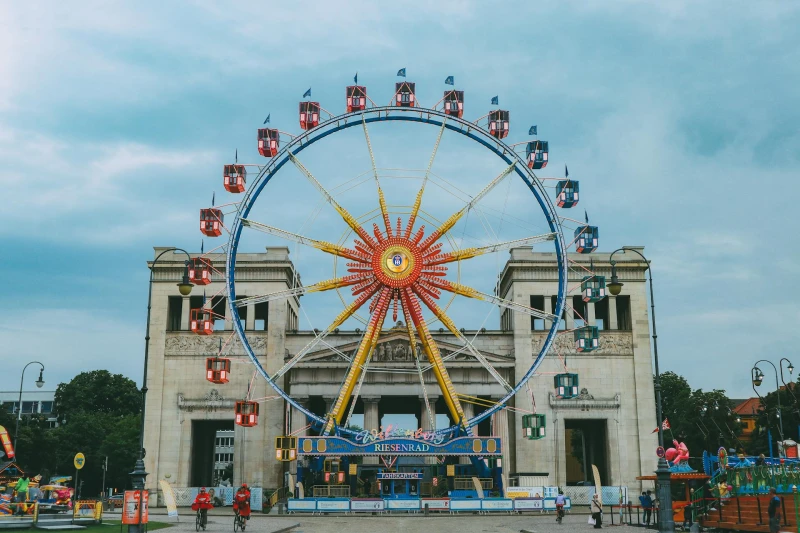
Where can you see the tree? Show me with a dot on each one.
(768, 422)
(99, 391)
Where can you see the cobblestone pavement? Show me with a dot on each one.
(402, 524)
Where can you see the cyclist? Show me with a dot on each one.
(561, 501)
(202, 503)
(241, 502)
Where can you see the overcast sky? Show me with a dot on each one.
(679, 118)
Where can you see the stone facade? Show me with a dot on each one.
(617, 378)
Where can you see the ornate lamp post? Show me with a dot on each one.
(757, 376)
(39, 383)
(663, 491)
(139, 474)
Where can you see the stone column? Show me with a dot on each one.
(298, 427)
(570, 313)
(185, 311)
(612, 312)
(250, 321)
(590, 314)
(548, 308)
(500, 425)
(228, 318)
(469, 412)
(371, 421)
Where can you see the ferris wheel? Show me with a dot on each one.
(401, 243)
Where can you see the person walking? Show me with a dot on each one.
(597, 511)
(646, 501)
(772, 511)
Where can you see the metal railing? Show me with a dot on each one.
(465, 483)
(331, 491)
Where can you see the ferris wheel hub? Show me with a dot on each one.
(397, 262)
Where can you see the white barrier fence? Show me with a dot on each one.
(452, 505)
(184, 496)
(583, 495)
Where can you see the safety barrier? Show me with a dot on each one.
(35, 514)
(414, 505)
(583, 495)
(184, 496)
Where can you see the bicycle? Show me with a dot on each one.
(200, 520)
(239, 522)
(559, 513)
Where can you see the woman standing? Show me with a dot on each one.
(597, 511)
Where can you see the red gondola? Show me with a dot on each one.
(268, 141)
(404, 94)
(537, 153)
(454, 103)
(498, 123)
(246, 413)
(234, 178)
(202, 322)
(356, 98)
(309, 115)
(211, 222)
(218, 370)
(200, 271)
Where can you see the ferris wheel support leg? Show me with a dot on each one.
(364, 350)
(434, 356)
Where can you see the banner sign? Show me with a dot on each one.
(7, 446)
(333, 505)
(465, 505)
(399, 475)
(402, 504)
(461, 446)
(301, 505)
(130, 507)
(169, 498)
(367, 505)
(526, 504)
(525, 492)
(497, 505)
(437, 504)
(550, 504)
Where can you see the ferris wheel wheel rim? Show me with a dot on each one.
(390, 114)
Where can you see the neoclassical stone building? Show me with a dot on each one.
(188, 420)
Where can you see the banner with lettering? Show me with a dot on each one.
(464, 446)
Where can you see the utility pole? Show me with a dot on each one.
(103, 490)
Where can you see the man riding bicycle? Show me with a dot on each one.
(241, 502)
(202, 503)
(561, 501)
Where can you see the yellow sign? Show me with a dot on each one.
(79, 461)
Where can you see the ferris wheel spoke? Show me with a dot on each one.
(418, 201)
(450, 222)
(381, 199)
(469, 292)
(321, 286)
(468, 253)
(338, 321)
(450, 325)
(434, 356)
(346, 216)
(327, 247)
(412, 342)
(368, 343)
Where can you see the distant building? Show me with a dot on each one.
(36, 402)
(746, 412)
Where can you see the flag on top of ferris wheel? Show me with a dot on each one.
(664, 426)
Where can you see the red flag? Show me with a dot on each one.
(664, 425)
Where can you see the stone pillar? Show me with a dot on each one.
(469, 412)
(590, 314)
(185, 312)
(228, 318)
(612, 312)
(570, 313)
(371, 421)
(250, 321)
(298, 426)
(500, 425)
(548, 308)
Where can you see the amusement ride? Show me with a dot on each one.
(407, 261)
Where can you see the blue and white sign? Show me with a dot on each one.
(525, 504)
(367, 505)
(302, 505)
(497, 505)
(403, 504)
(465, 505)
(437, 504)
(333, 505)
(399, 475)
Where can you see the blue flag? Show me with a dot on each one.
(355, 78)
(495, 100)
(307, 93)
(586, 215)
(402, 72)
(532, 131)
(213, 196)
(236, 158)
(449, 81)
(201, 246)
(266, 120)
(566, 171)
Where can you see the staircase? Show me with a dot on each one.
(749, 513)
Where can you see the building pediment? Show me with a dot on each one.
(393, 348)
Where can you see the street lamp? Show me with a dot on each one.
(39, 384)
(139, 474)
(663, 491)
(757, 378)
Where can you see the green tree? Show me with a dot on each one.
(768, 422)
(99, 391)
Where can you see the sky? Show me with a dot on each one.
(680, 119)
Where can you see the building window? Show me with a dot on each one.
(260, 312)
(11, 407)
(47, 407)
(29, 407)
(242, 313)
(174, 312)
(624, 313)
(537, 324)
(580, 311)
(601, 314)
(218, 309)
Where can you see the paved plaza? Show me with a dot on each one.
(404, 524)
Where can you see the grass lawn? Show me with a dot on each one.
(112, 526)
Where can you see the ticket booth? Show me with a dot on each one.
(399, 484)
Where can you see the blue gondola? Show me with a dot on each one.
(567, 193)
(593, 288)
(566, 385)
(587, 339)
(586, 239)
(536, 154)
